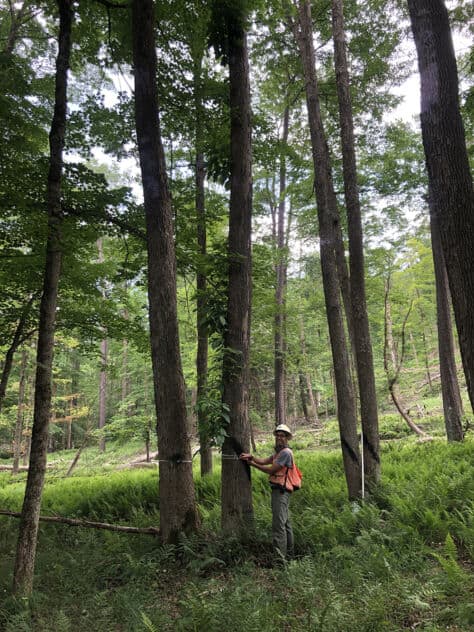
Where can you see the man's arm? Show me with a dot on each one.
(252, 460)
(267, 469)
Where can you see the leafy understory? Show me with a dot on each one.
(399, 560)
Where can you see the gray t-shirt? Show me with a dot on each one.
(284, 458)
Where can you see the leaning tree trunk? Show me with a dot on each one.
(328, 226)
(452, 404)
(360, 320)
(450, 180)
(28, 531)
(18, 338)
(236, 495)
(393, 364)
(178, 511)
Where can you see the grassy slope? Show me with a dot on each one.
(401, 561)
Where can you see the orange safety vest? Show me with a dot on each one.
(287, 478)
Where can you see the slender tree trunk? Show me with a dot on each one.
(413, 346)
(19, 413)
(103, 392)
(103, 368)
(449, 174)
(236, 495)
(281, 280)
(30, 388)
(312, 413)
(75, 368)
(423, 340)
(328, 223)
(18, 338)
(360, 320)
(304, 405)
(178, 511)
(27, 539)
(201, 277)
(18, 17)
(452, 404)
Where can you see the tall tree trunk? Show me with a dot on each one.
(18, 338)
(103, 367)
(19, 414)
(30, 390)
(304, 405)
(178, 511)
(102, 392)
(28, 530)
(452, 404)
(201, 277)
(328, 225)
(236, 495)
(360, 320)
(281, 281)
(449, 174)
(313, 410)
(75, 368)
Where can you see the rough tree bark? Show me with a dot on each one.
(28, 530)
(450, 180)
(360, 320)
(236, 495)
(178, 511)
(328, 227)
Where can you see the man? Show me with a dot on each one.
(276, 466)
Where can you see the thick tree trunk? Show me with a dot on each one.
(237, 509)
(28, 531)
(178, 511)
(19, 414)
(281, 281)
(328, 226)
(452, 404)
(18, 338)
(360, 320)
(451, 189)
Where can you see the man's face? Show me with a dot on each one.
(281, 440)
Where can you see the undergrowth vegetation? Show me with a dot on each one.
(399, 560)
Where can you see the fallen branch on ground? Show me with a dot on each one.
(88, 523)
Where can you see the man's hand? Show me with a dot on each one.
(246, 457)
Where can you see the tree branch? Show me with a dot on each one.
(88, 523)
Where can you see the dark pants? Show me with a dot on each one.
(282, 533)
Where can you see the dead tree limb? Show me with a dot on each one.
(73, 522)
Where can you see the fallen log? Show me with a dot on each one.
(73, 522)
